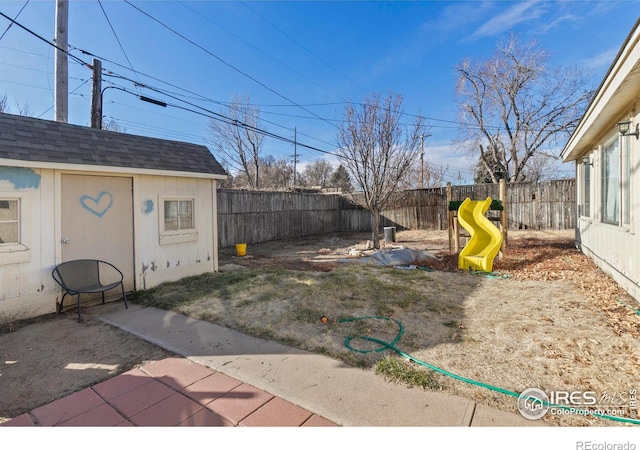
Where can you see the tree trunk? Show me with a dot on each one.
(375, 226)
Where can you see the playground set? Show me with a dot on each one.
(485, 240)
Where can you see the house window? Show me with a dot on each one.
(9, 221)
(611, 182)
(625, 185)
(586, 191)
(177, 219)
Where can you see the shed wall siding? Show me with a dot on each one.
(168, 262)
(27, 288)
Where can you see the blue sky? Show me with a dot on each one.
(299, 61)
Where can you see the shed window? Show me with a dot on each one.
(177, 220)
(178, 214)
(9, 221)
(15, 228)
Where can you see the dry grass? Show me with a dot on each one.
(552, 320)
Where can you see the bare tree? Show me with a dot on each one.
(24, 109)
(317, 173)
(110, 124)
(425, 175)
(238, 140)
(276, 173)
(378, 150)
(4, 103)
(515, 106)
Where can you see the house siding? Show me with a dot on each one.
(615, 248)
(614, 251)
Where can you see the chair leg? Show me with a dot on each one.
(79, 316)
(124, 297)
(102, 297)
(61, 302)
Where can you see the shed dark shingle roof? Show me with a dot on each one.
(36, 140)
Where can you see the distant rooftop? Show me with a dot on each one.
(36, 140)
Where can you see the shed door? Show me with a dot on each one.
(97, 221)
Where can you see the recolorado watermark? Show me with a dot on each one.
(534, 403)
(588, 445)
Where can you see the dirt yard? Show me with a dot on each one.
(548, 318)
(54, 356)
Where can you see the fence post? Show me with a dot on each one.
(449, 216)
(504, 218)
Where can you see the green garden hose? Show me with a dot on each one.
(489, 274)
(392, 346)
(629, 306)
(472, 272)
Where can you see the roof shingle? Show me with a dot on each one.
(29, 139)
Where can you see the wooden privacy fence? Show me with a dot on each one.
(257, 216)
(544, 205)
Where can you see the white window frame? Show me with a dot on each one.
(176, 236)
(626, 191)
(584, 205)
(18, 252)
(608, 182)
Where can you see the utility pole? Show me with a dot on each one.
(96, 95)
(295, 155)
(61, 85)
(422, 161)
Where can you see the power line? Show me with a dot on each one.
(24, 67)
(24, 51)
(210, 114)
(253, 46)
(117, 39)
(302, 46)
(24, 84)
(202, 98)
(273, 135)
(197, 96)
(72, 92)
(88, 53)
(225, 62)
(454, 124)
(230, 121)
(17, 15)
(44, 40)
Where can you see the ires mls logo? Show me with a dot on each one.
(534, 403)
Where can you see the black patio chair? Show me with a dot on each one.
(85, 276)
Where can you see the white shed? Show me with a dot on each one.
(68, 192)
(605, 148)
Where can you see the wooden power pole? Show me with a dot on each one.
(295, 156)
(96, 95)
(61, 88)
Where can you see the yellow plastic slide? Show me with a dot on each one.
(485, 238)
